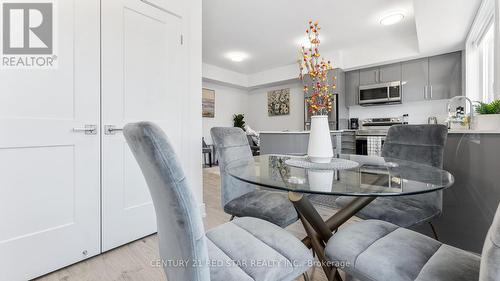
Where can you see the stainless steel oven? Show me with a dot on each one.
(385, 93)
(362, 144)
(376, 130)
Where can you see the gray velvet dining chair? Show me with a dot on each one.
(374, 250)
(240, 199)
(246, 249)
(418, 143)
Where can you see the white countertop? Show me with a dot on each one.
(300, 132)
(473, 132)
(340, 131)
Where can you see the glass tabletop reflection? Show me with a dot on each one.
(372, 176)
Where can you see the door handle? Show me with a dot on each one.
(111, 129)
(87, 129)
(431, 90)
(425, 92)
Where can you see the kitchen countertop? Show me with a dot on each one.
(301, 132)
(341, 131)
(473, 132)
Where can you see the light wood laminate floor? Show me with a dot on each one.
(132, 262)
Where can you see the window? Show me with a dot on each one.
(480, 57)
(486, 65)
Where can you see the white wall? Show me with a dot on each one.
(418, 111)
(215, 73)
(192, 107)
(228, 101)
(258, 118)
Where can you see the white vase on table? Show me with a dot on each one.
(320, 149)
(321, 181)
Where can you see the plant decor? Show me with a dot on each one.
(317, 68)
(488, 108)
(238, 121)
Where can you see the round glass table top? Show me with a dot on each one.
(372, 176)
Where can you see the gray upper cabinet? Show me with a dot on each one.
(445, 76)
(368, 76)
(389, 73)
(351, 87)
(434, 78)
(382, 74)
(415, 77)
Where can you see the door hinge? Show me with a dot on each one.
(182, 39)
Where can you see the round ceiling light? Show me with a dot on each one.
(237, 56)
(303, 42)
(392, 18)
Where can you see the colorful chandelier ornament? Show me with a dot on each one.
(317, 68)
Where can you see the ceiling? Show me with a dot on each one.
(269, 31)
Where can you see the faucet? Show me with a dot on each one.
(448, 106)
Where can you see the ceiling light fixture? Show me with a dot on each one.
(392, 18)
(304, 42)
(237, 56)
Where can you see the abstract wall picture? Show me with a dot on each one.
(278, 102)
(208, 103)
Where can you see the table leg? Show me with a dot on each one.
(318, 247)
(306, 209)
(320, 231)
(343, 215)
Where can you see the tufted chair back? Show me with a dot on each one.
(231, 145)
(180, 228)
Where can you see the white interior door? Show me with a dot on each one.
(142, 79)
(49, 174)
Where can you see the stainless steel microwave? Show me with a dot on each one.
(385, 93)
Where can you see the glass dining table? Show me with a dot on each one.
(364, 178)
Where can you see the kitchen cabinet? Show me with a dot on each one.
(368, 76)
(381, 74)
(434, 78)
(347, 142)
(296, 142)
(470, 204)
(415, 79)
(445, 76)
(352, 87)
(389, 73)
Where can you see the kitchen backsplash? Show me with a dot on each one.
(418, 111)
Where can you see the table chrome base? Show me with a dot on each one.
(320, 231)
